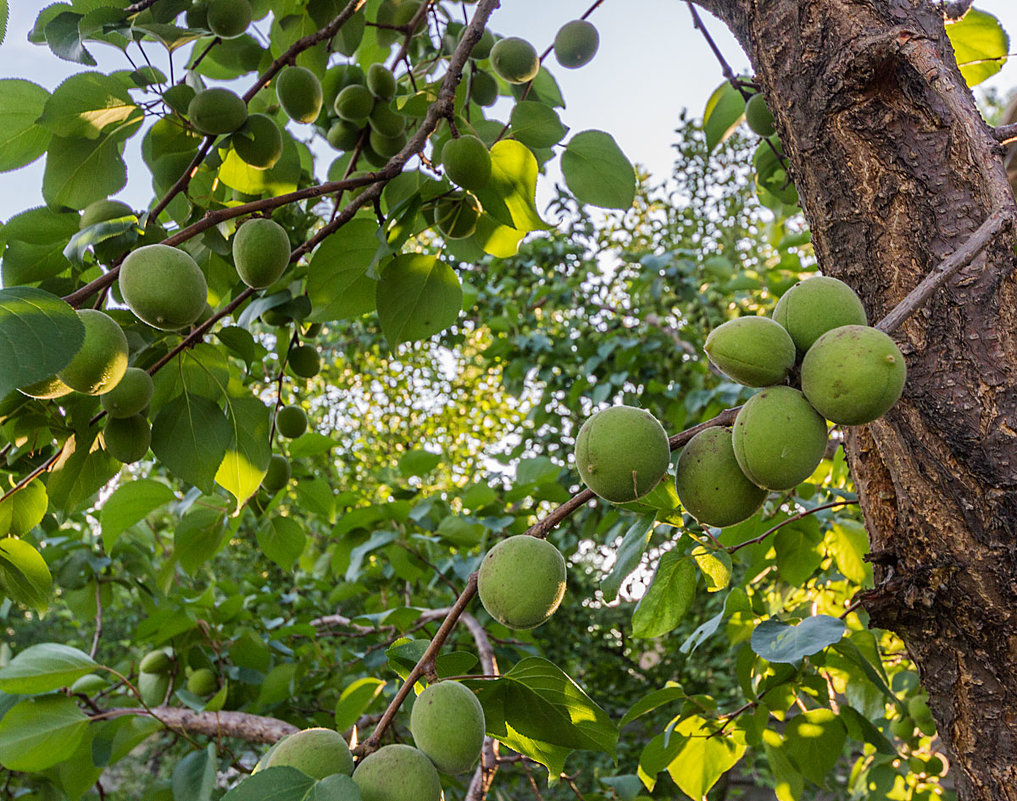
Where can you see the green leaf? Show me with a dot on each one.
(703, 758)
(715, 565)
(24, 574)
(980, 45)
(198, 535)
(190, 436)
(274, 784)
(39, 335)
(668, 598)
(813, 741)
(418, 462)
(788, 781)
(337, 280)
(597, 172)
(44, 667)
(722, 115)
(799, 552)
(628, 556)
(35, 244)
(81, 471)
(779, 642)
(39, 732)
(652, 700)
(509, 193)
(355, 700)
(278, 180)
(194, 775)
(282, 540)
(248, 454)
(80, 171)
(23, 510)
(131, 503)
(64, 39)
(21, 140)
(417, 296)
(862, 729)
(536, 124)
(848, 542)
(87, 104)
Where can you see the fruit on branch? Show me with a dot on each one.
(299, 93)
(482, 49)
(130, 396)
(261, 252)
(46, 389)
(101, 361)
(754, 351)
(758, 116)
(386, 146)
(385, 121)
(816, 305)
(771, 172)
(202, 682)
(467, 162)
(197, 15)
(354, 104)
(622, 453)
(155, 662)
(278, 474)
(397, 773)
(521, 581)
(291, 421)
(103, 210)
(217, 111)
(127, 439)
(163, 286)
(381, 82)
(259, 142)
(710, 484)
(779, 439)
(228, 18)
(153, 687)
(314, 752)
(853, 374)
(447, 723)
(483, 88)
(343, 135)
(457, 215)
(373, 157)
(576, 43)
(303, 361)
(515, 60)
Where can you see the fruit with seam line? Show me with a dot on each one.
(217, 111)
(622, 453)
(261, 252)
(299, 93)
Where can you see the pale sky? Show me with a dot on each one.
(651, 64)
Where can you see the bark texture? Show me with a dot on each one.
(896, 169)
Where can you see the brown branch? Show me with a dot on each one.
(955, 9)
(725, 68)
(792, 519)
(141, 5)
(243, 726)
(1005, 134)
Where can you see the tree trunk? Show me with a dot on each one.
(895, 169)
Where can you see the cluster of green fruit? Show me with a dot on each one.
(155, 678)
(227, 19)
(364, 112)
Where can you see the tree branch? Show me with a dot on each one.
(1005, 134)
(243, 726)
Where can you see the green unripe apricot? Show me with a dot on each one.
(779, 439)
(217, 111)
(153, 687)
(103, 210)
(754, 351)
(101, 361)
(299, 93)
(758, 116)
(710, 484)
(89, 683)
(447, 723)
(576, 43)
(381, 81)
(163, 286)
(202, 682)
(278, 475)
(46, 389)
(622, 453)
(261, 252)
(387, 122)
(130, 396)
(228, 18)
(397, 773)
(343, 135)
(521, 581)
(127, 439)
(354, 103)
(457, 215)
(304, 362)
(515, 60)
(259, 142)
(386, 146)
(482, 49)
(483, 88)
(314, 752)
(197, 15)
(812, 307)
(853, 374)
(155, 662)
(467, 162)
(291, 421)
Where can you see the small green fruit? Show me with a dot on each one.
(102, 360)
(217, 111)
(386, 146)
(515, 60)
(343, 135)
(89, 683)
(381, 81)
(103, 210)
(259, 142)
(482, 49)
(576, 43)
(853, 374)
(304, 361)
(354, 103)
(153, 687)
(127, 439)
(299, 93)
(483, 88)
(130, 396)
(202, 682)
(447, 723)
(155, 662)
(457, 215)
(278, 475)
(710, 484)
(622, 453)
(521, 581)
(758, 116)
(197, 15)
(261, 252)
(228, 18)
(754, 351)
(779, 439)
(397, 773)
(467, 162)
(163, 286)
(314, 752)
(291, 421)
(387, 122)
(812, 307)
(46, 389)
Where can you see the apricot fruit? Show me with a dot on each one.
(261, 252)
(758, 116)
(314, 752)
(304, 361)
(710, 484)
(397, 773)
(381, 81)
(228, 18)
(467, 162)
(576, 43)
(130, 396)
(354, 103)
(101, 361)
(778, 439)
(754, 351)
(386, 146)
(155, 662)
(202, 682)
(299, 93)
(127, 439)
(153, 687)
(291, 421)
(385, 121)
(457, 215)
(515, 60)
(163, 286)
(47, 389)
(343, 135)
(483, 88)
(217, 111)
(521, 581)
(816, 305)
(853, 374)
(278, 474)
(259, 142)
(447, 723)
(622, 453)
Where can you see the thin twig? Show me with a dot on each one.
(1005, 134)
(98, 620)
(792, 519)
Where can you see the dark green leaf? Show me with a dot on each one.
(813, 741)
(194, 776)
(40, 732)
(418, 462)
(653, 700)
(668, 598)
(282, 540)
(190, 436)
(44, 667)
(536, 124)
(24, 575)
(39, 335)
(418, 296)
(64, 39)
(21, 140)
(274, 784)
(35, 244)
(597, 172)
(779, 642)
(131, 503)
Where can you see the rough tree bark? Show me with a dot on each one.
(895, 169)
